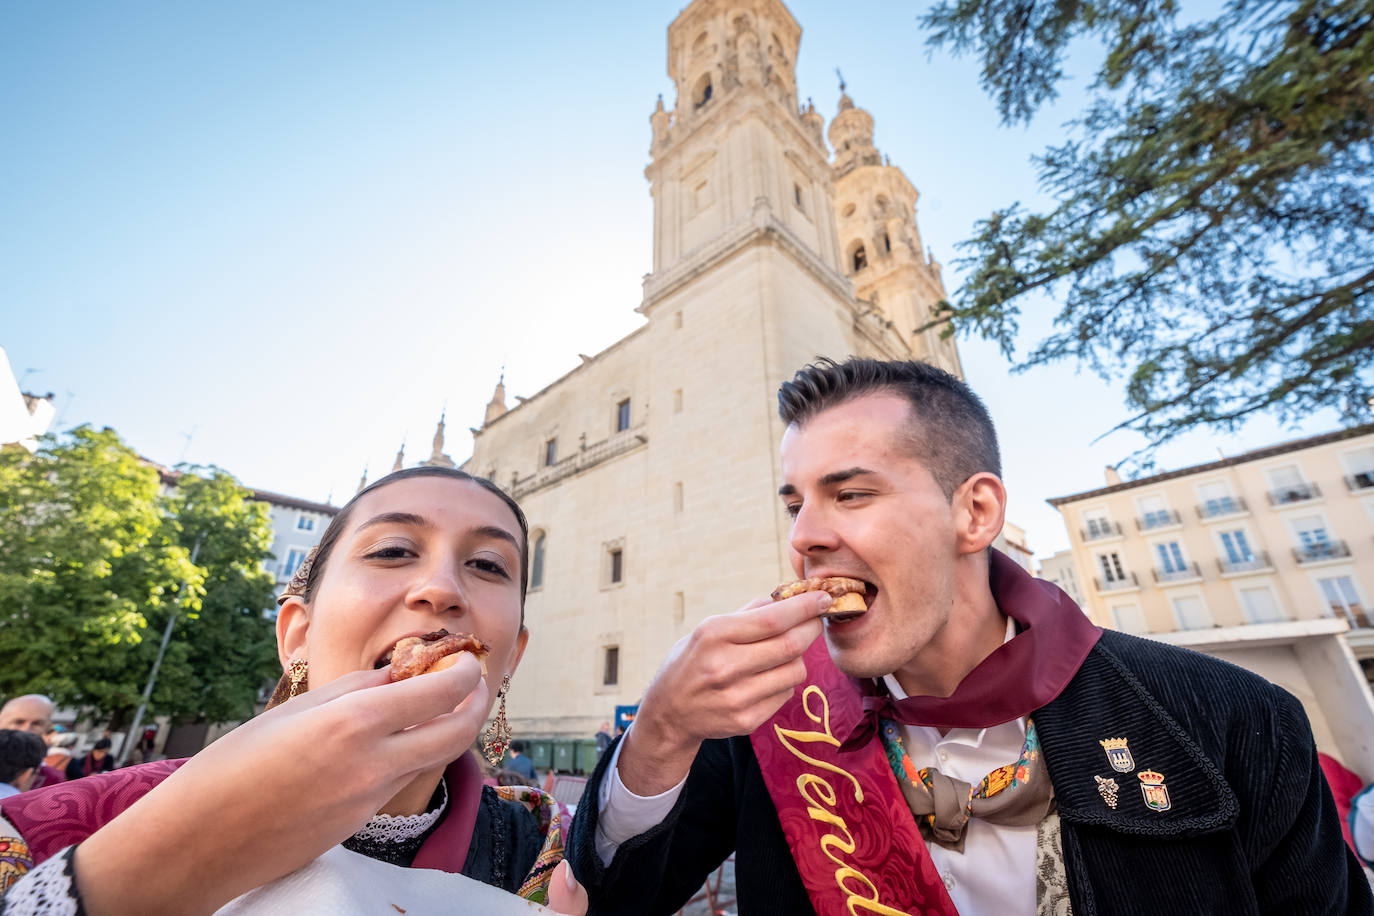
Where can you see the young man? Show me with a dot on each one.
(21, 753)
(971, 743)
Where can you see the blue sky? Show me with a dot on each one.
(282, 237)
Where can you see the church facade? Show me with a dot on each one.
(649, 473)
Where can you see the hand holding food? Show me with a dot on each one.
(726, 678)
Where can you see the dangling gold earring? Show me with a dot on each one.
(496, 738)
(298, 673)
(294, 681)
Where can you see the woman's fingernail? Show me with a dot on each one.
(568, 876)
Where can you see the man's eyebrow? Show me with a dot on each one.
(835, 477)
(497, 532)
(828, 480)
(396, 518)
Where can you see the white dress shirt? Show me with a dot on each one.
(995, 873)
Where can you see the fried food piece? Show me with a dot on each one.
(435, 651)
(848, 593)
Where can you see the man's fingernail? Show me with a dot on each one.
(824, 600)
(568, 877)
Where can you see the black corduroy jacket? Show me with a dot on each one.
(1251, 827)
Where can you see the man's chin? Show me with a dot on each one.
(855, 662)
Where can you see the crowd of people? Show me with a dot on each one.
(970, 743)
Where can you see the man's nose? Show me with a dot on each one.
(812, 532)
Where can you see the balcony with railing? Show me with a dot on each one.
(1188, 572)
(1259, 562)
(1117, 583)
(1226, 507)
(1321, 551)
(1158, 520)
(1101, 531)
(1356, 483)
(1294, 493)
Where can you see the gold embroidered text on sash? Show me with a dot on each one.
(821, 801)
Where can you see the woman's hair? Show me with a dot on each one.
(319, 557)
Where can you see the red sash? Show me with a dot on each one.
(852, 835)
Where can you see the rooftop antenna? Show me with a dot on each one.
(841, 76)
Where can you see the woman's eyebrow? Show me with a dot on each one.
(396, 518)
(497, 532)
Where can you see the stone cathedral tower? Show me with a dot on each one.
(649, 472)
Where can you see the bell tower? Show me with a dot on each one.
(893, 273)
(735, 148)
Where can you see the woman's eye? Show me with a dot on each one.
(394, 552)
(491, 566)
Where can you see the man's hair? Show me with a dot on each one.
(19, 751)
(517, 747)
(951, 432)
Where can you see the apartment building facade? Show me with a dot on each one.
(1265, 559)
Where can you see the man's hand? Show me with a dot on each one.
(726, 678)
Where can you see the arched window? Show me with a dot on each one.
(887, 242)
(860, 259)
(703, 91)
(537, 561)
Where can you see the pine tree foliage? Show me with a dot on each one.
(1211, 237)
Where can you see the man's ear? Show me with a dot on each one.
(980, 511)
(293, 623)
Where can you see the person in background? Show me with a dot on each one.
(33, 713)
(603, 738)
(99, 760)
(521, 764)
(21, 754)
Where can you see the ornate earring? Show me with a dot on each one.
(496, 738)
(298, 674)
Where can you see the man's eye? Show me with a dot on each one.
(792, 509)
(849, 496)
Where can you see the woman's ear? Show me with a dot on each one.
(980, 510)
(293, 623)
(520, 642)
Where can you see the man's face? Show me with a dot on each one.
(27, 714)
(864, 507)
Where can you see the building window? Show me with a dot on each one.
(1360, 464)
(1340, 594)
(1112, 570)
(294, 558)
(1191, 613)
(1313, 541)
(622, 416)
(305, 523)
(887, 243)
(1154, 513)
(703, 91)
(550, 452)
(1170, 557)
(1097, 525)
(1236, 546)
(610, 668)
(1260, 605)
(617, 557)
(1217, 500)
(537, 561)
(859, 260)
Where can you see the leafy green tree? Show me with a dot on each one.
(93, 559)
(1211, 237)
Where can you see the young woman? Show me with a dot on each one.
(351, 758)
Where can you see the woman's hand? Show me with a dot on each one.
(566, 896)
(278, 791)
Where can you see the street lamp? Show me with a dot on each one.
(127, 745)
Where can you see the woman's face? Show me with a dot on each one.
(415, 556)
